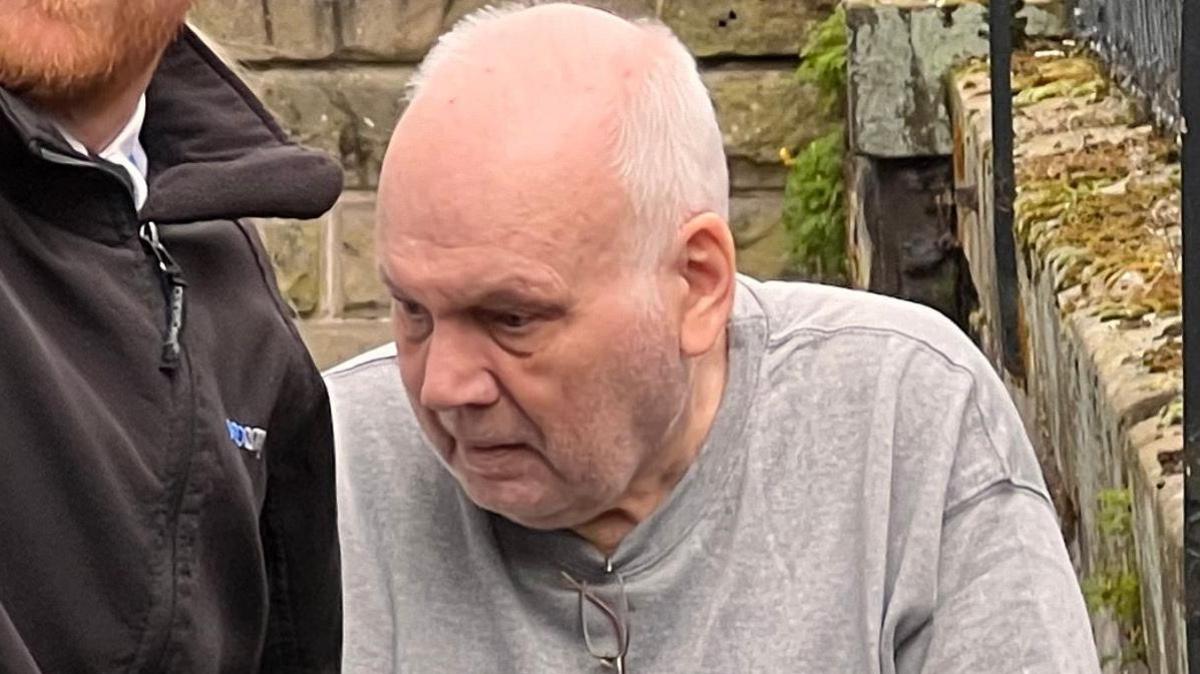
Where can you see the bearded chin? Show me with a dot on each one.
(87, 54)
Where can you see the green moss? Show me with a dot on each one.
(1097, 218)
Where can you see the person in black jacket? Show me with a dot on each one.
(166, 466)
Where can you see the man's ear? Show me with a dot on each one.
(707, 268)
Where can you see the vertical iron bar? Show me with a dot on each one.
(1189, 76)
(1004, 190)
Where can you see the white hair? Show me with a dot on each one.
(669, 154)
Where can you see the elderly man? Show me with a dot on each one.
(166, 468)
(614, 451)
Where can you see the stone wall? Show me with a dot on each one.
(1097, 235)
(334, 72)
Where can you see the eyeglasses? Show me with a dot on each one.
(618, 619)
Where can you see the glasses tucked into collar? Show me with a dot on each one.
(617, 618)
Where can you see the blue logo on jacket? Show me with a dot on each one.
(247, 437)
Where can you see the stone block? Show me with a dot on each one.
(389, 30)
(332, 342)
(898, 59)
(752, 216)
(761, 110)
(1158, 518)
(744, 27)
(347, 112)
(295, 248)
(767, 258)
(748, 175)
(256, 30)
(902, 232)
(360, 292)
(630, 9)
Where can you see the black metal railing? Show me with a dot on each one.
(1189, 84)
(1139, 42)
(1000, 18)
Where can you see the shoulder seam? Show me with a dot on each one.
(349, 368)
(973, 403)
(776, 340)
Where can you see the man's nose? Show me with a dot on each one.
(456, 373)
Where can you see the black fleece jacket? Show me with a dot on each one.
(166, 464)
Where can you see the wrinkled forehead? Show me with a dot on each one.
(570, 215)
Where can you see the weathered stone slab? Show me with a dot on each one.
(360, 292)
(901, 231)
(1158, 511)
(388, 30)
(763, 249)
(748, 175)
(331, 342)
(745, 28)
(899, 55)
(347, 112)
(761, 110)
(258, 30)
(295, 247)
(753, 215)
(630, 9)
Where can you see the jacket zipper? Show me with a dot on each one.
(172, 277)
(170, 274)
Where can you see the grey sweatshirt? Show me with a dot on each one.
(866, 501)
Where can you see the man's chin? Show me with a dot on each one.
(523, 504)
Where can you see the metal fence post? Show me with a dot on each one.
(1190, 99)
(1000, 44)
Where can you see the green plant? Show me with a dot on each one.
(1116, 512)
(1118, 591)
(823, 59)
(1115, 587)
(814, 208)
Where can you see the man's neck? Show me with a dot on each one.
(96, 118)
(652, 486)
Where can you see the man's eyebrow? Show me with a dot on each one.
(516, 298)
(532, 291)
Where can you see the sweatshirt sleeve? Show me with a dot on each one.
(1007, 597)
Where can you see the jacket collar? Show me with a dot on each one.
(213, 149)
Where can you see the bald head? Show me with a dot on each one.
(564, 104)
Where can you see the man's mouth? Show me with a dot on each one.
(496, 458)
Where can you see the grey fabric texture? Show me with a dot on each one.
(866, 501)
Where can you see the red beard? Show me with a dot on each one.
(56, 51)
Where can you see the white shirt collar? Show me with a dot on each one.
(125, 151)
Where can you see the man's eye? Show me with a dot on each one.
(513, 321)
(415, 319)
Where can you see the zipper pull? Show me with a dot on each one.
(173, 285)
